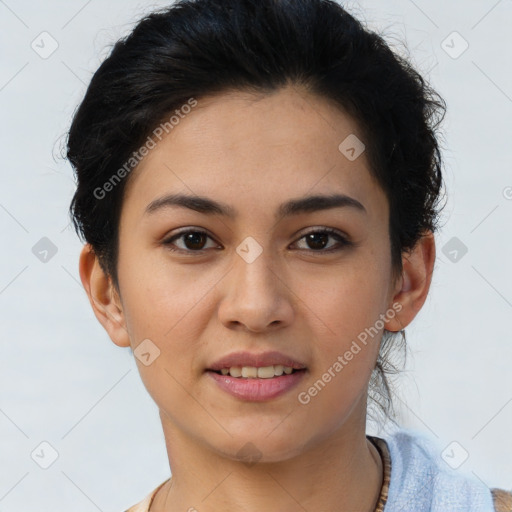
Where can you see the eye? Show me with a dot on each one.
(193, 240)
(317, 240)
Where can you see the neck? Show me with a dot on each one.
(342, 472)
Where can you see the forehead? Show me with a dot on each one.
(257, 151)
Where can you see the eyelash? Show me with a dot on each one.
(343, 242)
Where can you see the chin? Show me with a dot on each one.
(257, 446)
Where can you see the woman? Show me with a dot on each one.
(258, 190)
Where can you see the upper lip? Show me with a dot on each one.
(257, 360)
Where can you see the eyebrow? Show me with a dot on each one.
(306, 204)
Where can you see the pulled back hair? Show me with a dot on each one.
(195, 48)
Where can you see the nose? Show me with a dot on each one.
(256, 295)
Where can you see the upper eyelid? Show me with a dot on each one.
(344, 238)
(176, 236)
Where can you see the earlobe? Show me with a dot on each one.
(103, 297)
(418, 265)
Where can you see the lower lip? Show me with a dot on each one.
(257, 390)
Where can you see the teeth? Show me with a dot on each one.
(235, 371)
(249, 371)
(263, 372)
(278, 369)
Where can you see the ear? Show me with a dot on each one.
(412, 288)
(104, 298)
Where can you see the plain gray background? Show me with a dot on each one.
(62, 381)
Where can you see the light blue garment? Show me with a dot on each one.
(421, 481)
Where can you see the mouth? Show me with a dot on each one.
(261, 372)
(256, 377)
(257, 389)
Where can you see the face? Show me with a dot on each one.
(202, 283)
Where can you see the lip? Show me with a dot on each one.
(257, 390)
(257, 360)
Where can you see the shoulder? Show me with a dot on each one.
(428, 477)
(143, 506)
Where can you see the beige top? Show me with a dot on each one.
(144, 505)
(379, 443)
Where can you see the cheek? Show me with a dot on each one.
(171, 307)
(344, 314)
(344, 302)
(344, 350)
(170, 313)
(159, 298)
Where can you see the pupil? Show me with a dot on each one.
(194, 238)
(312, 237)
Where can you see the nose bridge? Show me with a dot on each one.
(255, 269)
(255, 293)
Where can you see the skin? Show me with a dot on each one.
(254, 153)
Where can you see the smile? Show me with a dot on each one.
(252, 372)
